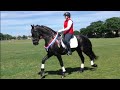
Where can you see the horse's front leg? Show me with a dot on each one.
(43, 64)
(62, 65)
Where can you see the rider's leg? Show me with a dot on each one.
(67, 42)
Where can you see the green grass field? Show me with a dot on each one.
(22, 60)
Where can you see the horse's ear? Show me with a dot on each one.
(42, 26)
(32, 26)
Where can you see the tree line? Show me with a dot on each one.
(107, 29)
(10, 37)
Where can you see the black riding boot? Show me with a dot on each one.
(69, 50)
(66, 42)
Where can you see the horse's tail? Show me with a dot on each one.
(93, 55)
(91, 52)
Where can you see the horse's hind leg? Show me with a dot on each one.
(82, 59)
(62, 65)
(91, 55)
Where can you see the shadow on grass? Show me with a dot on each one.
(69, 70)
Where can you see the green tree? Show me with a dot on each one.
(113, 24)
(89, 31)
(19, 37)
(83, 31)
(109, 28)
(76, 32)
(1, 36)
(13, 37)
(7, 37)
(24, 37)
(96, 28)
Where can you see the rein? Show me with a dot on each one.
(51, 42)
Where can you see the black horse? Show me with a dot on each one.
(54, 47)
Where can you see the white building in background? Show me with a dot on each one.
(29, 38)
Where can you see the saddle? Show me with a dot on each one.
(73, 42)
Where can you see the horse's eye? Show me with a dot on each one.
(35, 30)
(32, 35)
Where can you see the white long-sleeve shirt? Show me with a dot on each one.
(68, 26)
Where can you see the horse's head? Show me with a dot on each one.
(35, 35)
(41, 32)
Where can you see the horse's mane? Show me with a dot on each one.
(46, 28)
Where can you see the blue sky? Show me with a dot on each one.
(19, 22)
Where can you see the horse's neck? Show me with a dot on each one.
(48, 35)
(48, 39)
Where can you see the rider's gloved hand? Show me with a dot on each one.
(59, 33)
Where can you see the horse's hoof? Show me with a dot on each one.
(63, 75)
(81, 70)
(42, 77)
(94, 65)
(42, 73)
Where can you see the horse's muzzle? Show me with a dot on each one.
(35, 42)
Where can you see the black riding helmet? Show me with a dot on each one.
(67, 14)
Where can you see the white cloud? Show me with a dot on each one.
(26, 14)
(17, 18)
(101, 15)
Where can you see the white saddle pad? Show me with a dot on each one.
(73, 42)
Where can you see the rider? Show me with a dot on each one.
(67, 31)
